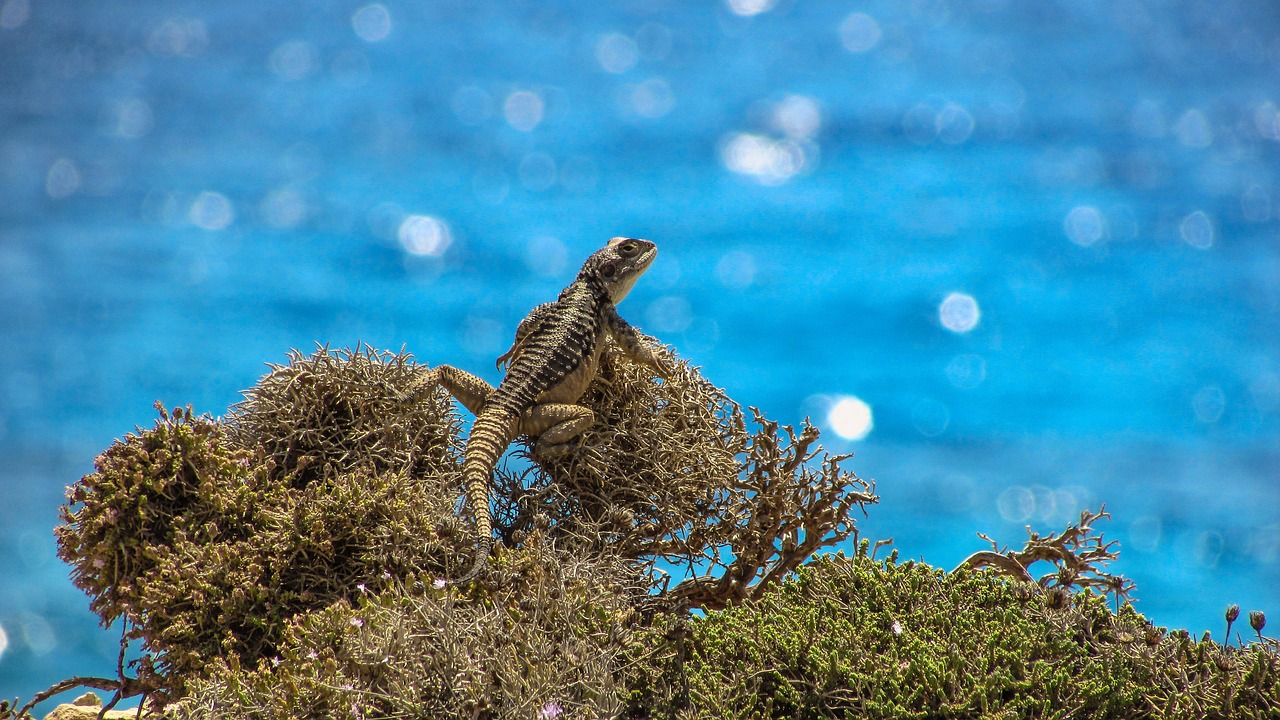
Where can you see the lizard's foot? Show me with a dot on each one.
(555, 450)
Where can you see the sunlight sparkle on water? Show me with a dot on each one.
(650, 99)
(748, 8)
(959, 313)
(294, 60)
(1197, 230)
(850, 418)
(424, 235)
(768, 161)
(212, 211)
(372, 23)
(859, 32)
(798, 116)
(523, 110)
(616, 52)
(1084, 225)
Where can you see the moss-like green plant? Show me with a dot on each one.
(855, 638)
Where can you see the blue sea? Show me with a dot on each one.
(1022, 258)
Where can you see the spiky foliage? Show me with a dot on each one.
(671, 471)
(855, 638)
(338, 412)
(559, 631)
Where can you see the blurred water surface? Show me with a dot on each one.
(1023, 258)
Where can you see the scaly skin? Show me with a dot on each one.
(554, 358)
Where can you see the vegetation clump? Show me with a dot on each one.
(289, 561)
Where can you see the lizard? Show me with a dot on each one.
(553, 359)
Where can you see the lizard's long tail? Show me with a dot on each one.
(490, 435)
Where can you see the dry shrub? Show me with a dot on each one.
(204, 539)
(560, 632)
(337, 412)
(671, 472)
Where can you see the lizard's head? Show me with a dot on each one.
(619, 264)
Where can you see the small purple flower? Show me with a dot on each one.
(897, 628)
(362, 588)
(357, 622)
(550, 711)
(440, 583)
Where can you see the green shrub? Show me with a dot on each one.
(854, 638)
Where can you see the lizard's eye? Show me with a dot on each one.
(628, 248)
(608, 271)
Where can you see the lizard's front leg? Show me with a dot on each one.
(555, 424)
(633, 343)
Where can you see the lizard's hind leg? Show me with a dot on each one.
(555, 425)
(470, 390)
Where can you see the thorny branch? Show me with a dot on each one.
(1079, 557)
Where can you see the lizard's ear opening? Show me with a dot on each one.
(608, 271)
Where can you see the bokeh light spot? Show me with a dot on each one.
(523, 110)
(187, 37)
(1193, 129)
(954, 124)
(38, 635)
(798, 116)
(14, 14)
(4, 641)
(372, 23)
(1016, 504)
(1208, 404)
(767, 161)
(537, 172)
(1084, 225)
(212, 211)
(859, 32)
(133, 118)
(1197, 230)
(284, 208)
(930, 417)
(1209, 547)
(62, 179)
(616, 52)
(424, 235)
(1144, 534)
(850, 418)
(294, 60)
(747, 8)
(959, 312)
(650, 99)
(669, 314)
